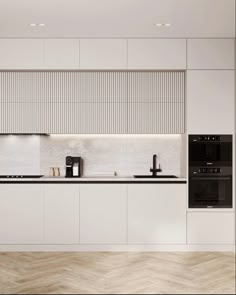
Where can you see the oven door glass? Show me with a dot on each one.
(211, 152)
(210, 192)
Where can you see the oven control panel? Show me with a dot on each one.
(208, 171)
(210, 138)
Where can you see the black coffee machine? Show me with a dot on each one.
(73, 166)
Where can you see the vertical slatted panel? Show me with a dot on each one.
(156, 102)
(92, 102)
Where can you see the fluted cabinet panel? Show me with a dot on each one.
(105, 86)
(151, 118)
(158, 87)
(92, 102)
(107, 118)
(156, 102)
(18, 118)
(64, 86)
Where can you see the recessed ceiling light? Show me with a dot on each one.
(162, 25)
(37, 25)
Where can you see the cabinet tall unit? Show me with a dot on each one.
(211, 110)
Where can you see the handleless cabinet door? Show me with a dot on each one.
(156, 102)
(211, 228)
(61, 54)
(156, 54)
(210, 102)
(61, 214)
(19, 117)
(156, 214)
(23, 54)
(103, 54)
(211, 54)
(103, 214)
(21, 214)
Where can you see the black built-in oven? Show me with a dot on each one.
(210, 171)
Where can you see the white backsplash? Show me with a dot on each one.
(19, 155)
(125, 154)
(102, 154)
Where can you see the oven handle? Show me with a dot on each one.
(211, 178)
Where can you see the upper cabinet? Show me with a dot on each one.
(211, 54)
(61, 54)
(24, 54)
(92, 54)
(37, 54)
(156, 102)
(95, 102)
(210, 101)
(103, 54)
(155, 54)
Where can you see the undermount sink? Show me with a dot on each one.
(156, 176)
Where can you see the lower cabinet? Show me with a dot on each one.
(34, 214)
(107, 214)
(211, 228)
(103, 214)
(156, 214)
(61, 214)
(21, 214)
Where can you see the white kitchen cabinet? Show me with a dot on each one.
(156, 118)
(61, 54)
(61, 214)
(210, 102)
(103, 54)
(211, 228)
(106, 118)
(19, 117)
(78, 118)
(156, 54)
(103, 214)
(152, 107)
(93, 102)
(211, 54)
(61, 118)
(156, 214)
(21, 214)
(34, 54)
(24, 54)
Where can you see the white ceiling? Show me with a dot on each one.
(117, 18)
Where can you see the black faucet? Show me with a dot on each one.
(154, 169)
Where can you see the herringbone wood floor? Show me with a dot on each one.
(117, 273)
